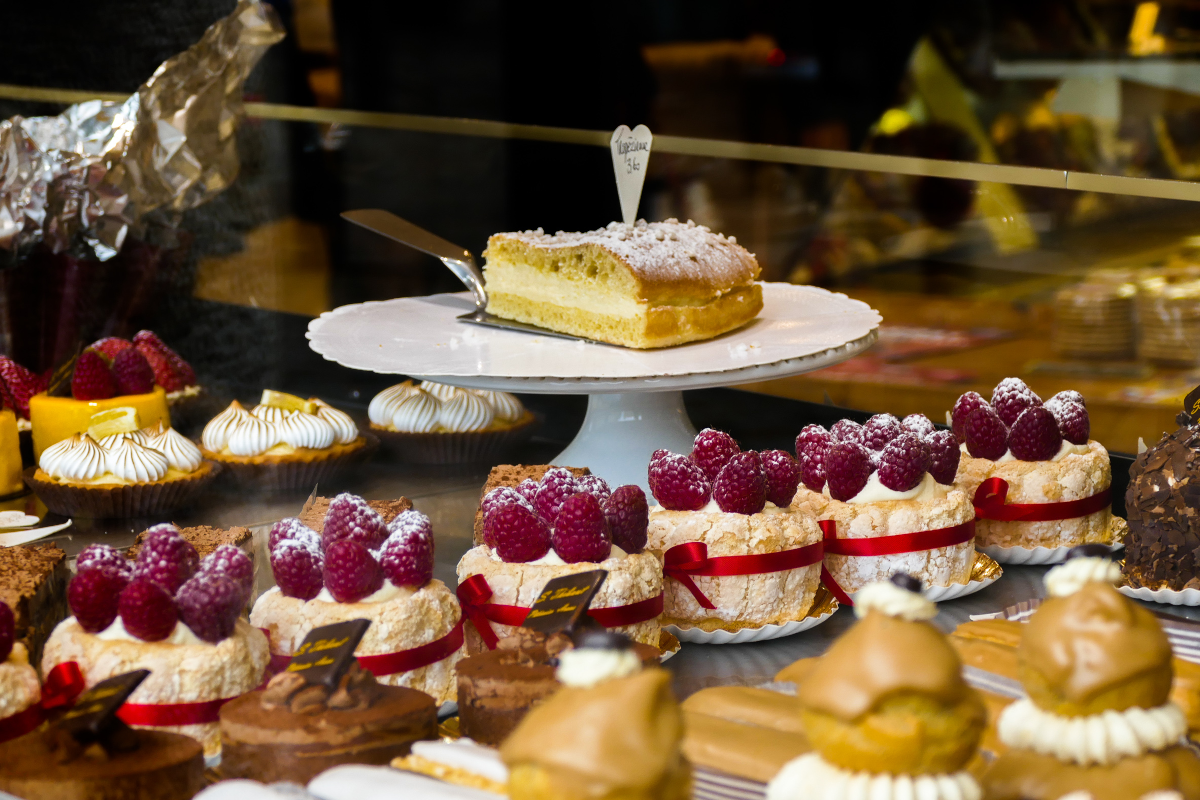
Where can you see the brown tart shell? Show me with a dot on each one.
(147, 499)
(297, 471)
(468, 447)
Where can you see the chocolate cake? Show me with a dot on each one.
(313, 513)
(1162, 548)
(33, 583)
(204, 538)
(512, 475)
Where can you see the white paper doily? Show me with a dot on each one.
(1034, 556)
(1170, 597)
(700, 636)
(940, 594)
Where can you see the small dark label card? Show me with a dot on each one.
(564, 601)
(94, 713)
(1191, 404)
(327, 652)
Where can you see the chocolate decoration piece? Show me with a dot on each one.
(907, 582)
(1162, 503)
(327, 652)
(564, 602)
(93, 718)
(1191, 405)
(1088, 551)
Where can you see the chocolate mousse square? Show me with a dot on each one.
(33, 583)
(204, 538)
(313, 513)
(512, 475)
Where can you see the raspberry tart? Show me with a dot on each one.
(432, 423)
(361, 567)
(560, 525)
(1036, 478)
(172, 613)
(717, 506)
(284, 443)
(884, 493)
(19, 687)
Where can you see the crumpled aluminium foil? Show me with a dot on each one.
(80, 181)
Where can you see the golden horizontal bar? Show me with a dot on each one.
(684, 145)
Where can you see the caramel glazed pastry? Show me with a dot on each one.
(1097, 722)
(647, 285)
(886, 709)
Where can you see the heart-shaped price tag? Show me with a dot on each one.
(630, 154)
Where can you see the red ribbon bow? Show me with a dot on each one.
(63, 684)
(683, 561)
(990, 503)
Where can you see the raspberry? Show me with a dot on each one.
(657, 454)
(963, 407)
(628, 514)
(903, 462)
(581, 532)
(349, 517)
(678, 484)
(556, 486)
(811, 447)
(741, 487)
(147, 610)
(1073, 422)
(528, 490)
(92, 379)
(918, 424)
(232, 563)
(110, 346)
(351, 572)
(8, 631)
(298, 567)
(594, 485)
(1010, 397)
(517, 534)
(712, 450)
(1034, 436)
(879, 430)
(291, 528)
(847, 468)
(847, 430)
(20, 384)
(166, 558)
(92, 595)
(407, 556)
(132, 373)
(984, 434)
(501, 495)
(1065, 396)
(813, 436)
(944, 455)
(783, 476)
(209, 604)
(164, 372)
(167, 364)
(101, 555)
(412, 523)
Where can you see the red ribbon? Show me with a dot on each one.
(158, 715)
(63, 684)
(683, 561)
(887, 546)
(991, 494)
(474, 595)
(400, 661)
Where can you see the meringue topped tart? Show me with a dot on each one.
(430, 407)
(647, 285)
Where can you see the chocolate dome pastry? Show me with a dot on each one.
(1097, 668)
(886, 707)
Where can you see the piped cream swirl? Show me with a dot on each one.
(441, 391)
(269, 414)
(252, 436)
(305, 430)
(247, 434)
(894, 601)
(79, 458)
(1070, 577)
(218, 430)
(810, 777)
(465, 411)
(507, 407)
(180, 452)
(135, 463)
(384, 405)
(453, 410)
(1103, 738)
(344, 429)
(417, 413)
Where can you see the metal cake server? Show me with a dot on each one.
(459, 260)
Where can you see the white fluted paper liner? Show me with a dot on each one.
(1034, 556)
(701, 636)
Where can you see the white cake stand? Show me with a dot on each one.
(635, 401)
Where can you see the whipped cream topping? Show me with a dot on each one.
(182, 454)
(890, 599)
(466, 755)
(711, 507)
(1064, 450)
(385, 404)
(810, 777)
(417, 413)
(1103, 738)
(123, 455)
(135, 463)
(182, 634)
(465, 411)
(78, 458)
(429, 407)
(553, 559)
(441, 391)
(385, 593)
(245, 433)
(927, 490)
(1068, 578)
(587, 666)
(506, 407)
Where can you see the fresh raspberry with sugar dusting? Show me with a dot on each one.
(1073, 421)
(944, 455)
(1065, 396)
(741, 487)
(349, 517)
(101, 555)
(811, 447)
(500, 496)
(351, 571)
(517, 534)
(847, 469)
(879, 430)
(984, 434)
(147, 611)
(594, 485)
(299, 567)
(93, 595)
(919, 424)
(166, 558)
(964, 406)
(209, 604)
(712, 450)
(660, 453)
(1035, 435)
(555, 486)
(903, 463)
(783, 476)
(1010, 397)
(290, 528)
(581, 532)
(8, 631)
(847, 430)
(232, 563)
(407, 556)
(678, 484)
(132, 373)
(92, 379)
(813, 437)
(628, 514)
(412, 522)
(528, 490)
